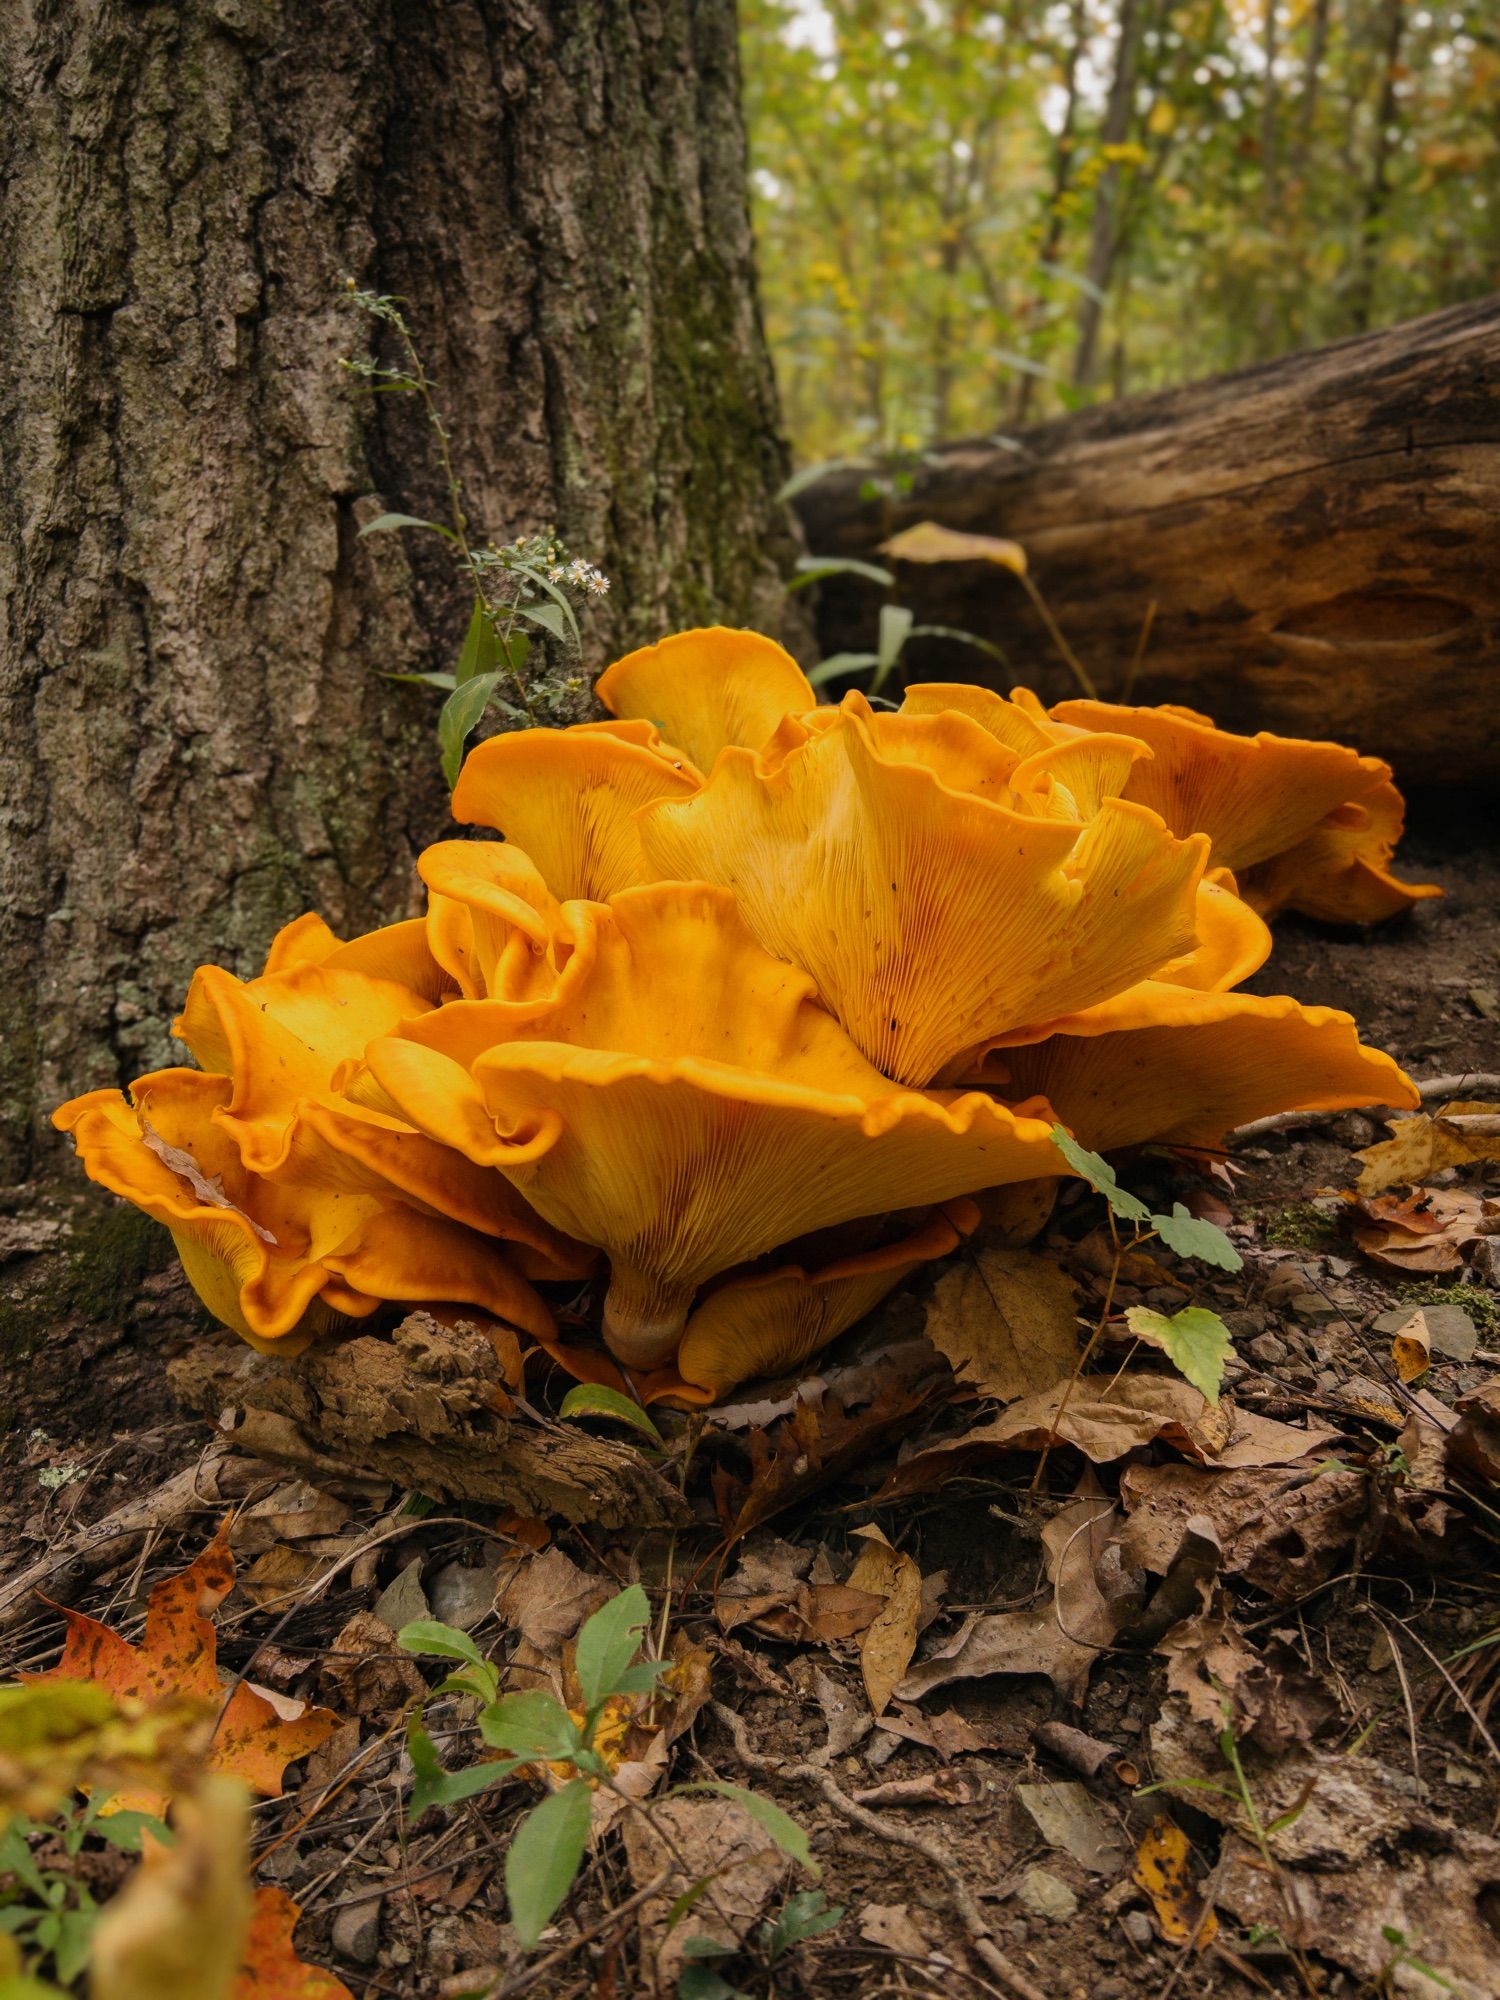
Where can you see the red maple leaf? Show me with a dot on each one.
(271, 1969)
(176, 1659)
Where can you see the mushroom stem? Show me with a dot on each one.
(643, 1318)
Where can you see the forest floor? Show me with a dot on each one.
(1256, 1654)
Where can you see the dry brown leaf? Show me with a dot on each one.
(1474, 1441)
(1270, 1697)
(949, 1733)
(781, 1591)
(1411, 1347)
(1425, 1143)
(1254, 1440)
(546, 1597)
(930, 542)
(1161, 1869)
(1060, 1639)
(1066, 1815)
(1007, 1320)
(1423, 1233)
(926, 1788)
(888, 1642)
(688, 1839)
(367, 1671)
(1285, 1531)
(890, 1925)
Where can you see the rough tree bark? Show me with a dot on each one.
(1318, 535)
(196, 741)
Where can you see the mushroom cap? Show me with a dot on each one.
(1167, 1063)
(708, 688)
(688, 1106)
(771, 1321)
(931, 916)
(568, 798)
(492, 922)
(397, 952)
(1340, 874)
(289, 1044)
(1252, 795)
(1233, 940)
(274, 1260)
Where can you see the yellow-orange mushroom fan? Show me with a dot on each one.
(688, 1106)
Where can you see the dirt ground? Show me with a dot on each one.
(989, 1841)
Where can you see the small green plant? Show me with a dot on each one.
(532, 1730)
(1195, 1340)
(807, 1914)
(897, 626)
(48, 1912)
(522, 587)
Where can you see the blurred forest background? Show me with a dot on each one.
(974, 217)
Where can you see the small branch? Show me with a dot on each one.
(1483, 1084)
(965, 1903)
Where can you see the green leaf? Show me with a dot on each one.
(384, 523)
(609, 1642)
(1195, 1341)
(706, 1947)
(895, 629)
(75, 1931)
(812, 569)
(1100, 1176)
(547, 616)
(531, 1723)
(430, 1639)
(700, 1982)
(811, 474)
(963, 638)
(840, 663)
(544, 583)
(461, 712)
(431, 1785)
(448, 681)
(1189, 1236)
(596, 1399)
(124, 1830)
(690, 1897)
(771, 1820)
(543, 1859)
(480, 653)
(804, 1915)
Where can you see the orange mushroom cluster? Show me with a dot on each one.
(750, 999)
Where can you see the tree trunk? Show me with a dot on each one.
(1319, 537)
(197, 740)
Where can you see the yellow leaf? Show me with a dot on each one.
(887, 1644)
(1161, 1869)
(1411, 1349)
(929, 542)
(1007, 1320)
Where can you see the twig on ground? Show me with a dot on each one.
(970, 1915)
(520, 1981)
(1481, 1084)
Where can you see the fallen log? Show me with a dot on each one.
(1320, 537)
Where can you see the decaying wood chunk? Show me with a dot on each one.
(419, 1407)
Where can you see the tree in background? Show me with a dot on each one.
(972, 216)
(198, 740)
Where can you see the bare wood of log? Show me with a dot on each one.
(1321, 536)
(419, 1408)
